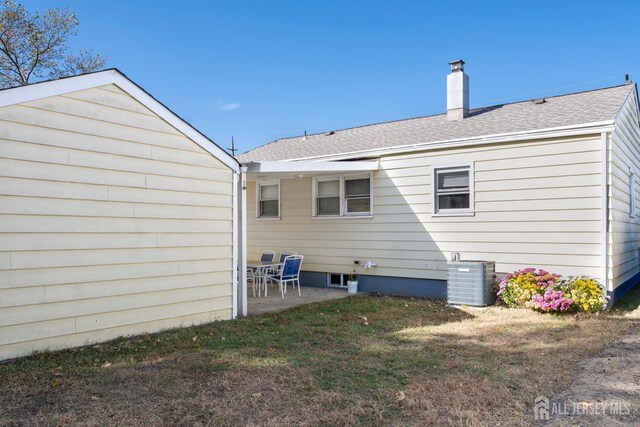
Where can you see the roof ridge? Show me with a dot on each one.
(438, 114)
(564, 109)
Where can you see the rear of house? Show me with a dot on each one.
(548, 183)
(116, 216)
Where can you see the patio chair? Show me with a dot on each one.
(254, 275)
(274, 271)
(288, 273)
(267, 256)
(283, 255)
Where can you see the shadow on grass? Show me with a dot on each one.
(338, 362)
(630, 302)
(349, 346)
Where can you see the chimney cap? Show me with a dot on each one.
(457, 65)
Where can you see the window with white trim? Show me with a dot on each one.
(268, 199)
(632, 194)
(328, 197)
(357, 196)
(342, 196)
(452, 190)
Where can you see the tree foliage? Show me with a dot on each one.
(34, 46)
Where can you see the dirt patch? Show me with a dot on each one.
(606, 388)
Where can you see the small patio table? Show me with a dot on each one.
(261, 269)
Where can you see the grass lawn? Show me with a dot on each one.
(357, 361)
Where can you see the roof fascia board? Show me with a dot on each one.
(310, 167)
(588, 128)
(35, 91)
(632, 93)
(31, 92)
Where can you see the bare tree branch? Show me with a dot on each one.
(34, 46)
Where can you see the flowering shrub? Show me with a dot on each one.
(585, 292)
(518, 288)
(550, 293)
(550, 301)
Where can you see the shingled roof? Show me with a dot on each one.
(558, 111)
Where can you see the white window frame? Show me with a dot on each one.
(314, 195)
(343, 282)
(434, 190)
(260, 184)
(633, 211)
(343, 200)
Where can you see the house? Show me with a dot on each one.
(549, 183)
(116, 216)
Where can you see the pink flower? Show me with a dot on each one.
(551, 301)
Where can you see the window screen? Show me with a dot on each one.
(328, 198)
(357, 195)
(269, 204)
(453, 191)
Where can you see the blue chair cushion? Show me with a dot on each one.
(291, 267)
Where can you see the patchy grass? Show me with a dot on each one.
(357, 361)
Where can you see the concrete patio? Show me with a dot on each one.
(274, 302)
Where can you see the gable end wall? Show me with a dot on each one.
(111, 223)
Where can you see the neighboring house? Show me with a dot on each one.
(116, 216)
(549, 183)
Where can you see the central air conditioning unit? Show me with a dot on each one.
(471, 282)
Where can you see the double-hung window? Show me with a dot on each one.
(452, 190)
(268, 199)
(342, 196)
(357, 196)
(328, 197)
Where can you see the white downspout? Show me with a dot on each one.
(234, 249)
(604, 147)
(243, 233)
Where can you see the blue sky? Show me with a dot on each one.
(260, 70)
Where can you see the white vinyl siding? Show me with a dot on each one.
(111, 223)
(537, 203)
(623, 249)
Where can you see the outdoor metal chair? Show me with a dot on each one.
(288, 273)
(276, 268)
